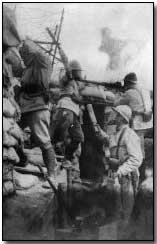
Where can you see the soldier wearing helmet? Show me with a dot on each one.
(126, 149)
(134, 99)
(124, 161)
(66, 126)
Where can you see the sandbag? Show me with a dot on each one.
(11, 37)
(25, 181)
(7, 73)
(97, 92)
(8, 188)
(8, 109)
(9, 141)
(12, 56)
(7, 171)
(17, 132)
(12, 155)
(8, 179)
(5, 153)
(109, 95)
(7, 124)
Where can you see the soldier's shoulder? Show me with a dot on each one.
(131, 133)
(131, 91)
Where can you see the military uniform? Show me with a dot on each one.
(130, 155)
(66, 121)
(133, 99)
(66, 125)
(34, 103)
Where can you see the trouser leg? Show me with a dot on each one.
(39, 124)
(70, 149)
(140, 133)
(142, 168)
(126, 207)
(77, 137)
(49, 160)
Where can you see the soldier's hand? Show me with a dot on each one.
(119, 174)
(114, 163)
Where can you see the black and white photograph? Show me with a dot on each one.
(77, 120)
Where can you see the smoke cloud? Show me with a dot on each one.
(127, 55)
(128, 36)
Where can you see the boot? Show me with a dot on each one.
(49, 160)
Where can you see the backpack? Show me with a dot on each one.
(38, 69)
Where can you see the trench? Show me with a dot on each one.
(90, 214)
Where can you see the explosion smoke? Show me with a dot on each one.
(125, 55)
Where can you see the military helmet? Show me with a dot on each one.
(124, 111)
(130, 78)
(75, 65)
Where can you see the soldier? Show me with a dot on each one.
(133, 97)
(34, 101)
(66, 121)
(125, 147)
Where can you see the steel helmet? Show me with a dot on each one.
(130, 78)
(75, 65)
(124, 111)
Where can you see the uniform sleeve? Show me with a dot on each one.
(134, 159)
(122, 100)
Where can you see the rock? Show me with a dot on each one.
(23, 181)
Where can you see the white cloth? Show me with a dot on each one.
(66, 102)
(129, 152)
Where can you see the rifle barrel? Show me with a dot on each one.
(116, 84)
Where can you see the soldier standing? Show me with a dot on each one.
(126, 158)
(133, 97)
(34, 101)
(66, 121)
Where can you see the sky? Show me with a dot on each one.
(81, 34)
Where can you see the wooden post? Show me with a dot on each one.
(55, 33)
(59, 31)
(44, 49)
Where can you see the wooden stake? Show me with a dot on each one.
(59, 31)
